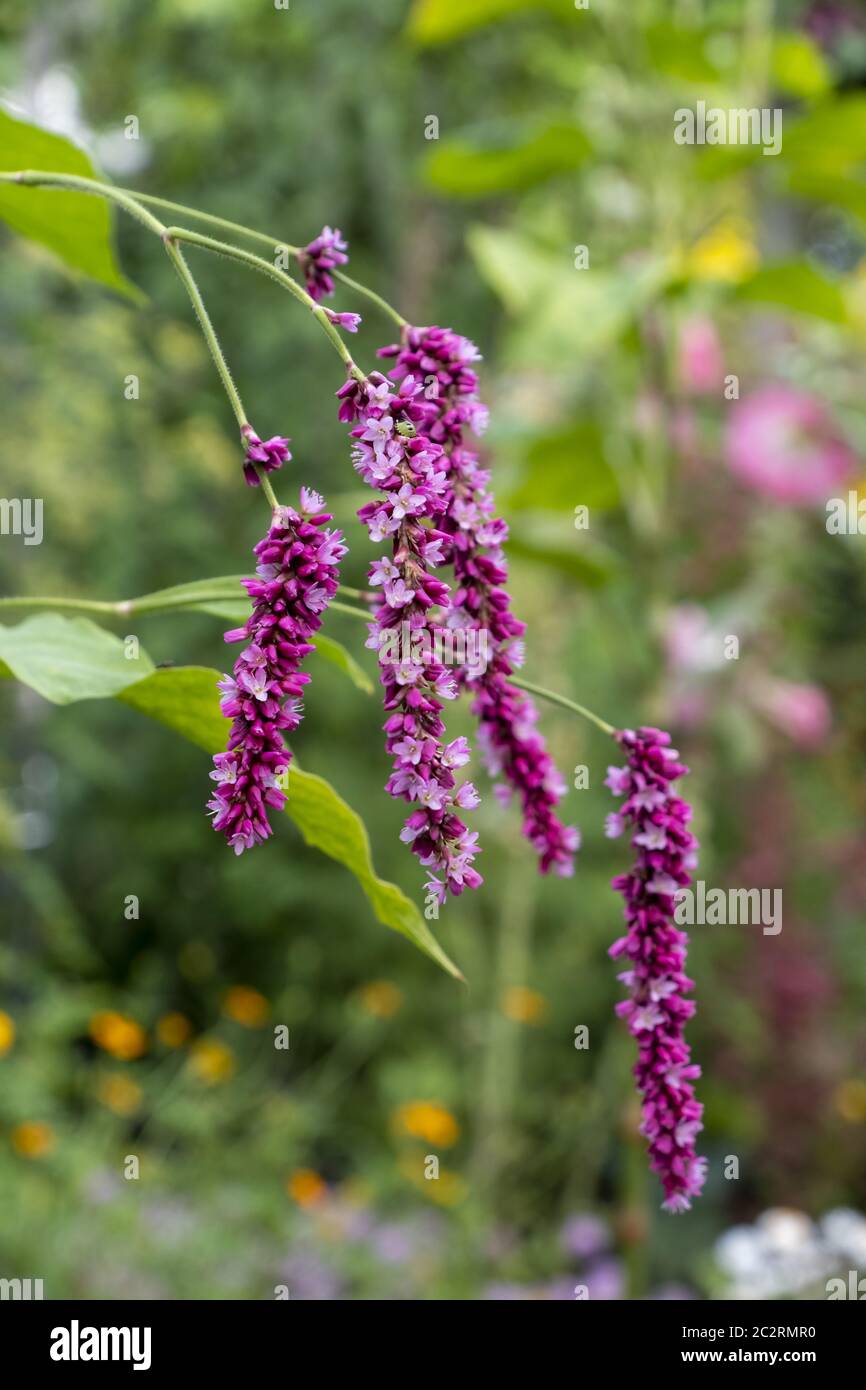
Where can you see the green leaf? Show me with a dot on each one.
(838, 189)
(830, 138)
(798, 286)
(185, 699)
(338, 655)
(69, 659)
(440, 21)
(799, 66)
(566, 469)
(681, 53)
(588, 568)
(219, 597)
(468, 171)
(566, 313)
(75, 226)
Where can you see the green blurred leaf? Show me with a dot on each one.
(75, 226)
(185, 699)
(565, 469)
(340, 657)
(830, 138)
(589, 568)
(796, 285)
(681, 53)
(439, 21)
(465, 170)
(847, 193)
(219, 596)
(799, 66)
(566, 313)
(68, 659)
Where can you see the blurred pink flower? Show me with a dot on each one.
(700, 365)
(800, 711)
(690, 641)
(783, 443)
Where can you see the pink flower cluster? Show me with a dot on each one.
(296, 577)
(512, 747)
(656, 1010)
(410, 471)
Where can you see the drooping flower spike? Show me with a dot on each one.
(296, 577)
(410, 471)
(655, 949)
(264, 456)
(512, 747)
(323, 254)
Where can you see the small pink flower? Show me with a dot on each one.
(784, 444)
(700, 365)
(800, 711)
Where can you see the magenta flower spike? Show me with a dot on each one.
(410, 473)
(656, 1010)
(513, 749)
(296, 577)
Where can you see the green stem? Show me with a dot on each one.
(80, 605)
(275, 243)
(177, 259)
(130, 199)
(154, 603)
(236, 253)
(562, 700)
(33, 178)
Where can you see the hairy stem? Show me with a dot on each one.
(236, 253)
(154, 603)
(34, 178)
(563, 701)
(178, 261)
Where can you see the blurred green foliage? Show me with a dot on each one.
(152, 1034)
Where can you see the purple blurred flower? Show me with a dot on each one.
(605, 1280)
(584, 1236)
(784, 444)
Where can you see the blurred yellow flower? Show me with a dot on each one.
(523, 1005)
(850, 1098)
(211, 1061)
(173, 1030)
(381, 999)
(121, 1036)
(32, 1139)
(306, 1187)
(7, 1033)
(424, 1119)
(727, 252)
(119, 1093)
(447, 1189)
(246, 1006)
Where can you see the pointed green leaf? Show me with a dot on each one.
(468, 171)
(75, 226)
(69, 659)
(185, 699)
